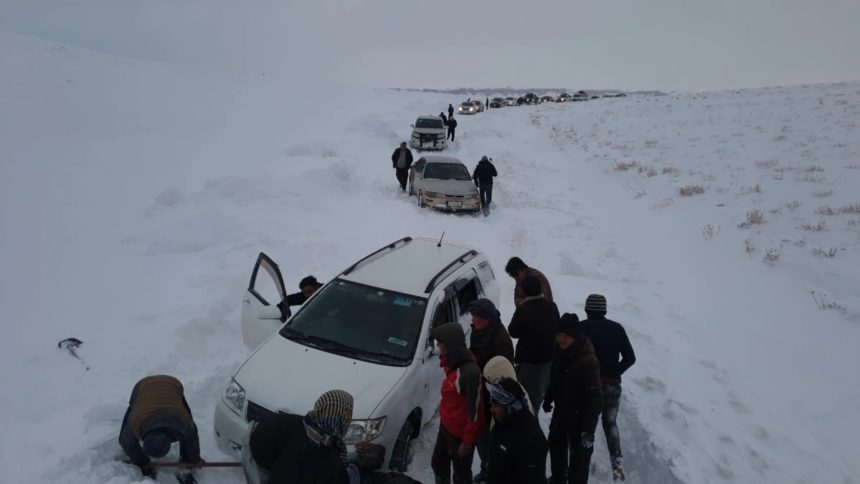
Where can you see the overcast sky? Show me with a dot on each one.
(686, 45)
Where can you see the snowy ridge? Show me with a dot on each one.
(134, 199)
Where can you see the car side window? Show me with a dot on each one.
(444, 313)
(486, 272)
(419, 166)
(467, 293)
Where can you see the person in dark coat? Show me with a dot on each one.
(534, 324)
(483, 177)
(450, 110)
(575, 390)
(487, 103)
(461, 412)
(489, 338)
(294, 449)
(401, 161)
(444, 119)
(307, 287)
(157, 416)
(518, 270)
(518, 452)
(616, 356)
(452, 127)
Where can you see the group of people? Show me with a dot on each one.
(492, 391)
(490, 398)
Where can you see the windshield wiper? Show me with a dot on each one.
(334, 346)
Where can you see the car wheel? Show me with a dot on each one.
(400, 455)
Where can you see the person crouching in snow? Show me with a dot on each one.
(285, 448)
(518, 453)
(158, 416)
(460, 410)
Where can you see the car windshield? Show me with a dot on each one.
(429, 123)
(447, 171)
(467, 105)
(360, 321)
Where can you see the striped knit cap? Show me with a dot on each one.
(595, 303)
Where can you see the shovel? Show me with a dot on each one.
(71, 345)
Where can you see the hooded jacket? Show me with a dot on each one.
(534, 323)
(574, 386)
(461, 409)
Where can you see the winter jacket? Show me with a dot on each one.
(461, 410)
(491, 341)
(534, 323)
(610, 340)
(500, 367)
(518, 453)
(484, 173)
(452, 124)
(444, 118)
(545, 289)
(158, 403)
(574, 386)
(280, 445)
(450, 110)
(396, 155)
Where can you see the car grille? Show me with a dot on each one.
(429, 137)
(256, 413)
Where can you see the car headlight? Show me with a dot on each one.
(432, 194)
(234, 397)
(364, 430)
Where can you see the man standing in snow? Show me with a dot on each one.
(610, 342)
(157, 416)
(452, 126)
(487, 104)
(483, 178)
(450, 110)
(461, 412)
(574, 389)
(518, 453)
(518, 270)
(401, 161)
(534, 324)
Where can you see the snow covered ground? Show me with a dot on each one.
(134, 197)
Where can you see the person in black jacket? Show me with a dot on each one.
(294, 449)
(401, 161)
(307, 287)
(450, 110)
(157, 416)
(487, 103)
(574, 388)
(518, 453)
(534, 323)
(483, 178)
(610, 342)
(444, 119)
(452, 127)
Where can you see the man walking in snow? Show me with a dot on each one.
(483, 178)
(534, 324)
(574, 390)
(610, 342)
(401, 161)
(452, 127)
(461, 410)
(518, 270)
(450, 110)
(157, 416)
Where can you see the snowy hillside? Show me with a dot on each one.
(134, 197)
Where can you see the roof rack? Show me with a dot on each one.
(459, 261)
(391, 246)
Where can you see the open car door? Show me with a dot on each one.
(264, 307)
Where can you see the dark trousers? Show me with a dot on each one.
(611, 401)
(451, 134)
(486, 192)
(445, 457)
(483, 446)
(403, 177)
(567, 456)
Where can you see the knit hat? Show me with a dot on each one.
(484, 308)
(484, 158)
(595, 303)
(569, 325)
(156, 443)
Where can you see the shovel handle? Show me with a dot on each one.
(186, 465)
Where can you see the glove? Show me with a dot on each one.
(547, 406)
(587, 440)
(148, 470)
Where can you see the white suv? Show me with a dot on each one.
(429, 133)
(366, 332)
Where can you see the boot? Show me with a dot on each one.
(617, 470)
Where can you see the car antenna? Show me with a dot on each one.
(440, 240)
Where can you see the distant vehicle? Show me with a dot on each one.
(467, 107)
(595, 97)
(429, 133)
(529, 98)
(580, 96)
(510, 101)
(563, 98)
(444, 183)
(546, 99)
(367, 331)
(479, 106)
(497, 102)
(621, 94)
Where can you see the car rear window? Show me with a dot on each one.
(447, 171)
